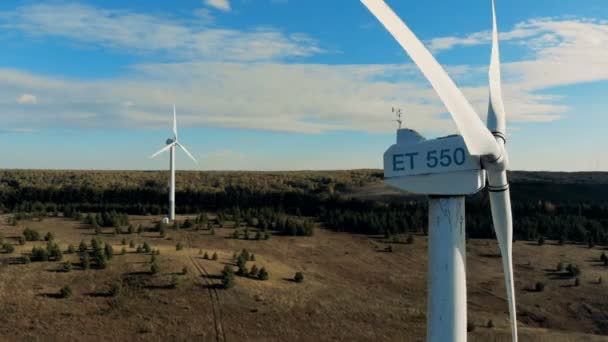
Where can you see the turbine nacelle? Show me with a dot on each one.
(170, 141)
(441, 166)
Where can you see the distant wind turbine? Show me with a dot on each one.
(171, 144)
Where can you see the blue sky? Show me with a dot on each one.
(289, 84)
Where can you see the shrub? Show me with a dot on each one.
(187, 224)
(540, 286)
(573, 270)
(130, 229)
(410, 239)
(541, 241)
(146, 247)
(39, 254)
(21, 240)
(490, 324)
(227, 277)
(8, 248)
(214, 257)
(603, 257)
(139, 249)
(599, 280)
(179, 246)
(82, 248)
(108, 251)
(200, 252)
(241, 263)
(102, 261)
(123, 241)
(206, 256)
(254, 271)
(252, 257)
(49, 237)
(154, 268)
(71, 249)
(577, 282)
(116, 288)
(26, 259)
(560, 267)
(299, 277)
(85, 261)
(65, 292)
(174, 282)
(123, 251)
(31, 235)
(96, 245)
(131, 244)
(185, 270)
(140, 229)
(263, 275)
(66, 267)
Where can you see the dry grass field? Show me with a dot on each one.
(353, 290)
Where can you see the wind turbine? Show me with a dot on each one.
(447, 169)
(172, 143)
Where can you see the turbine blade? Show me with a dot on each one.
(187, 152)
(478, 139)
(496, 108)
(500, 201)
(164, 149)
(174, 123)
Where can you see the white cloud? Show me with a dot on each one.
(223, 5)
(218, 85)
(27, 99)
(141, 33)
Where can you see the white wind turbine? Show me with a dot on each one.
(447, 169)
(171, 144)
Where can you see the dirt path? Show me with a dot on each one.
(216, 306)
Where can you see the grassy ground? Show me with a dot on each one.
(353, 290)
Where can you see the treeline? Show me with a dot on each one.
(560, 209)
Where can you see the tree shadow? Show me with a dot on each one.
(98, 294)
(50, 295)
(16, 261)
(290, 280)
(556, 275)
(490, 255)
(212, 286)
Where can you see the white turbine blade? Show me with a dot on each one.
(164, 149)
(478, 139)
(174, 123)
(187, 152)
(500, 201)
(496, 108)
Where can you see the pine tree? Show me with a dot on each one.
(263, 274)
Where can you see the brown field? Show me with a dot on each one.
(353, 291)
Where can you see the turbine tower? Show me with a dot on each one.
(447, 169)
(172, 143)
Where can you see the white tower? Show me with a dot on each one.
(171, 144)
(447, 169)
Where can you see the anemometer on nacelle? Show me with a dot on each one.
(441, 166)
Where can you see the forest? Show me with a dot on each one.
(567, 207)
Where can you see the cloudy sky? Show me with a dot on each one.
(289, 84)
